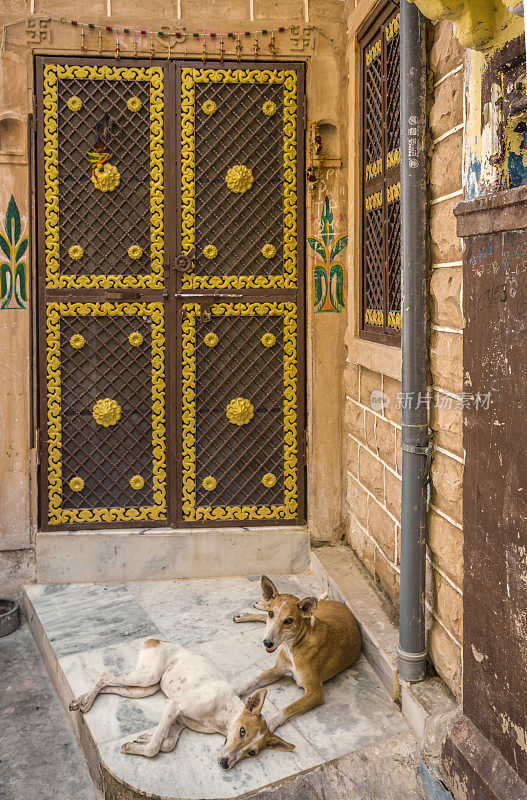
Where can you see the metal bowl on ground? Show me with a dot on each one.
(9, 616)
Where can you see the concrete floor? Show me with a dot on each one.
(96, 628)
(39, 756)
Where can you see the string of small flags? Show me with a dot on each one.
(172, 36)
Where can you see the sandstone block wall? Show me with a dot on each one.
(373, 474)
(372, 438)
(445, 535)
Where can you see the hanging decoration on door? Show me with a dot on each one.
(105, 176)
(142, 40)
(328, 273)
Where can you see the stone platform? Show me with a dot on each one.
(83, 630)
(142, 554)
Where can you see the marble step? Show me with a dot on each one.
(166, 553)
(428, 707)
(356, 745)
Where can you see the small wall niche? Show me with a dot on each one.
(330, 142)
(12, 134)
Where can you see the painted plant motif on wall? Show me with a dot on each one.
(13, 266)
(328, 273)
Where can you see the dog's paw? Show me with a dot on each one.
(239, 617)
(138, 748)
(82, 704)
(144, 738)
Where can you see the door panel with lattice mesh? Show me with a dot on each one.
(240, 181)
(105, 412)
(239, 192)
(240, 411)
(101, 136)
(104, 218)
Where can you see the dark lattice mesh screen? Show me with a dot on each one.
(104, 224)
(107, 366)
(381, 252)
(239, 225)
(373, 110)
(238, 456)
(393, 114)
(373, 259)
(394, 256)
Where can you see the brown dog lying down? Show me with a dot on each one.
(319, 639)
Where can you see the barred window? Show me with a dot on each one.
(380, 178)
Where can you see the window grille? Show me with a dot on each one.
(380, 178)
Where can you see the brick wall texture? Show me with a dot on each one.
(373, 464)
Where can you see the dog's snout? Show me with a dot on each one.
(224, 763)
(268, 642)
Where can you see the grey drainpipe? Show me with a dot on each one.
(412, 643)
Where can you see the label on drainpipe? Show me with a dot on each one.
(413, 142)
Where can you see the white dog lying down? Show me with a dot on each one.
(198, 697)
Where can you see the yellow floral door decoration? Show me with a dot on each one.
(240, 411)
(106, 412)
(239, 179)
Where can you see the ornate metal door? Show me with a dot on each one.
(101, 278)
(242, 323)
(134, 265)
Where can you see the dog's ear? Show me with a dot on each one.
(275, 743)
(269, 590)
(307, 606)
(255, 701)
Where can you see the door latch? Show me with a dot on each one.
(183, 262)
(206, 301)
(121, 294)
